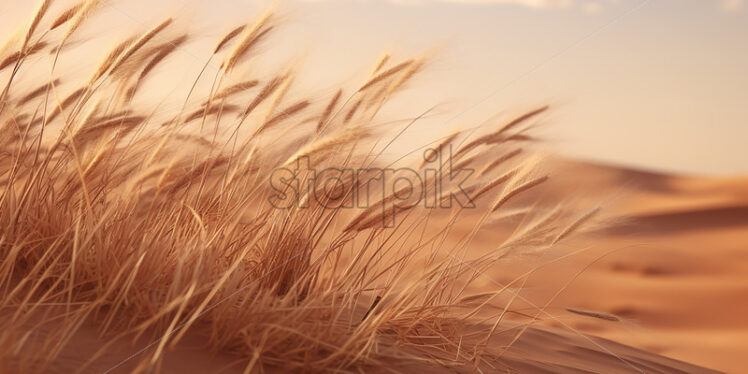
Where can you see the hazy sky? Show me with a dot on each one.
(661, 84)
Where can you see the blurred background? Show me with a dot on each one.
(659, 85)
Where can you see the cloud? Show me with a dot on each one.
(537, 4)
(589, 6)
(540, 4)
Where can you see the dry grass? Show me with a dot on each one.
(154, 231)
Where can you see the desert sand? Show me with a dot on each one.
(665, 274)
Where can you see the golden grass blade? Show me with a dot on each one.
(328, 111)
(213, 109)
(501, 160)
(593, 314)
(67, 15)
(439, 148)
(137, 44)
(266, 91)
(17, 56)
(518, 190)
(385, 74)
(228, 38)
(235, 89)
(576, 224)
(283, 115)
(89, 6)
(164, 51)
(41, 11)
(250, 38)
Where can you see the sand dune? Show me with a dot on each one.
(660, 288)
(671, 264)
(538, 350)
(543, 351)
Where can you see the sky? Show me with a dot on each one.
(658, 84)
